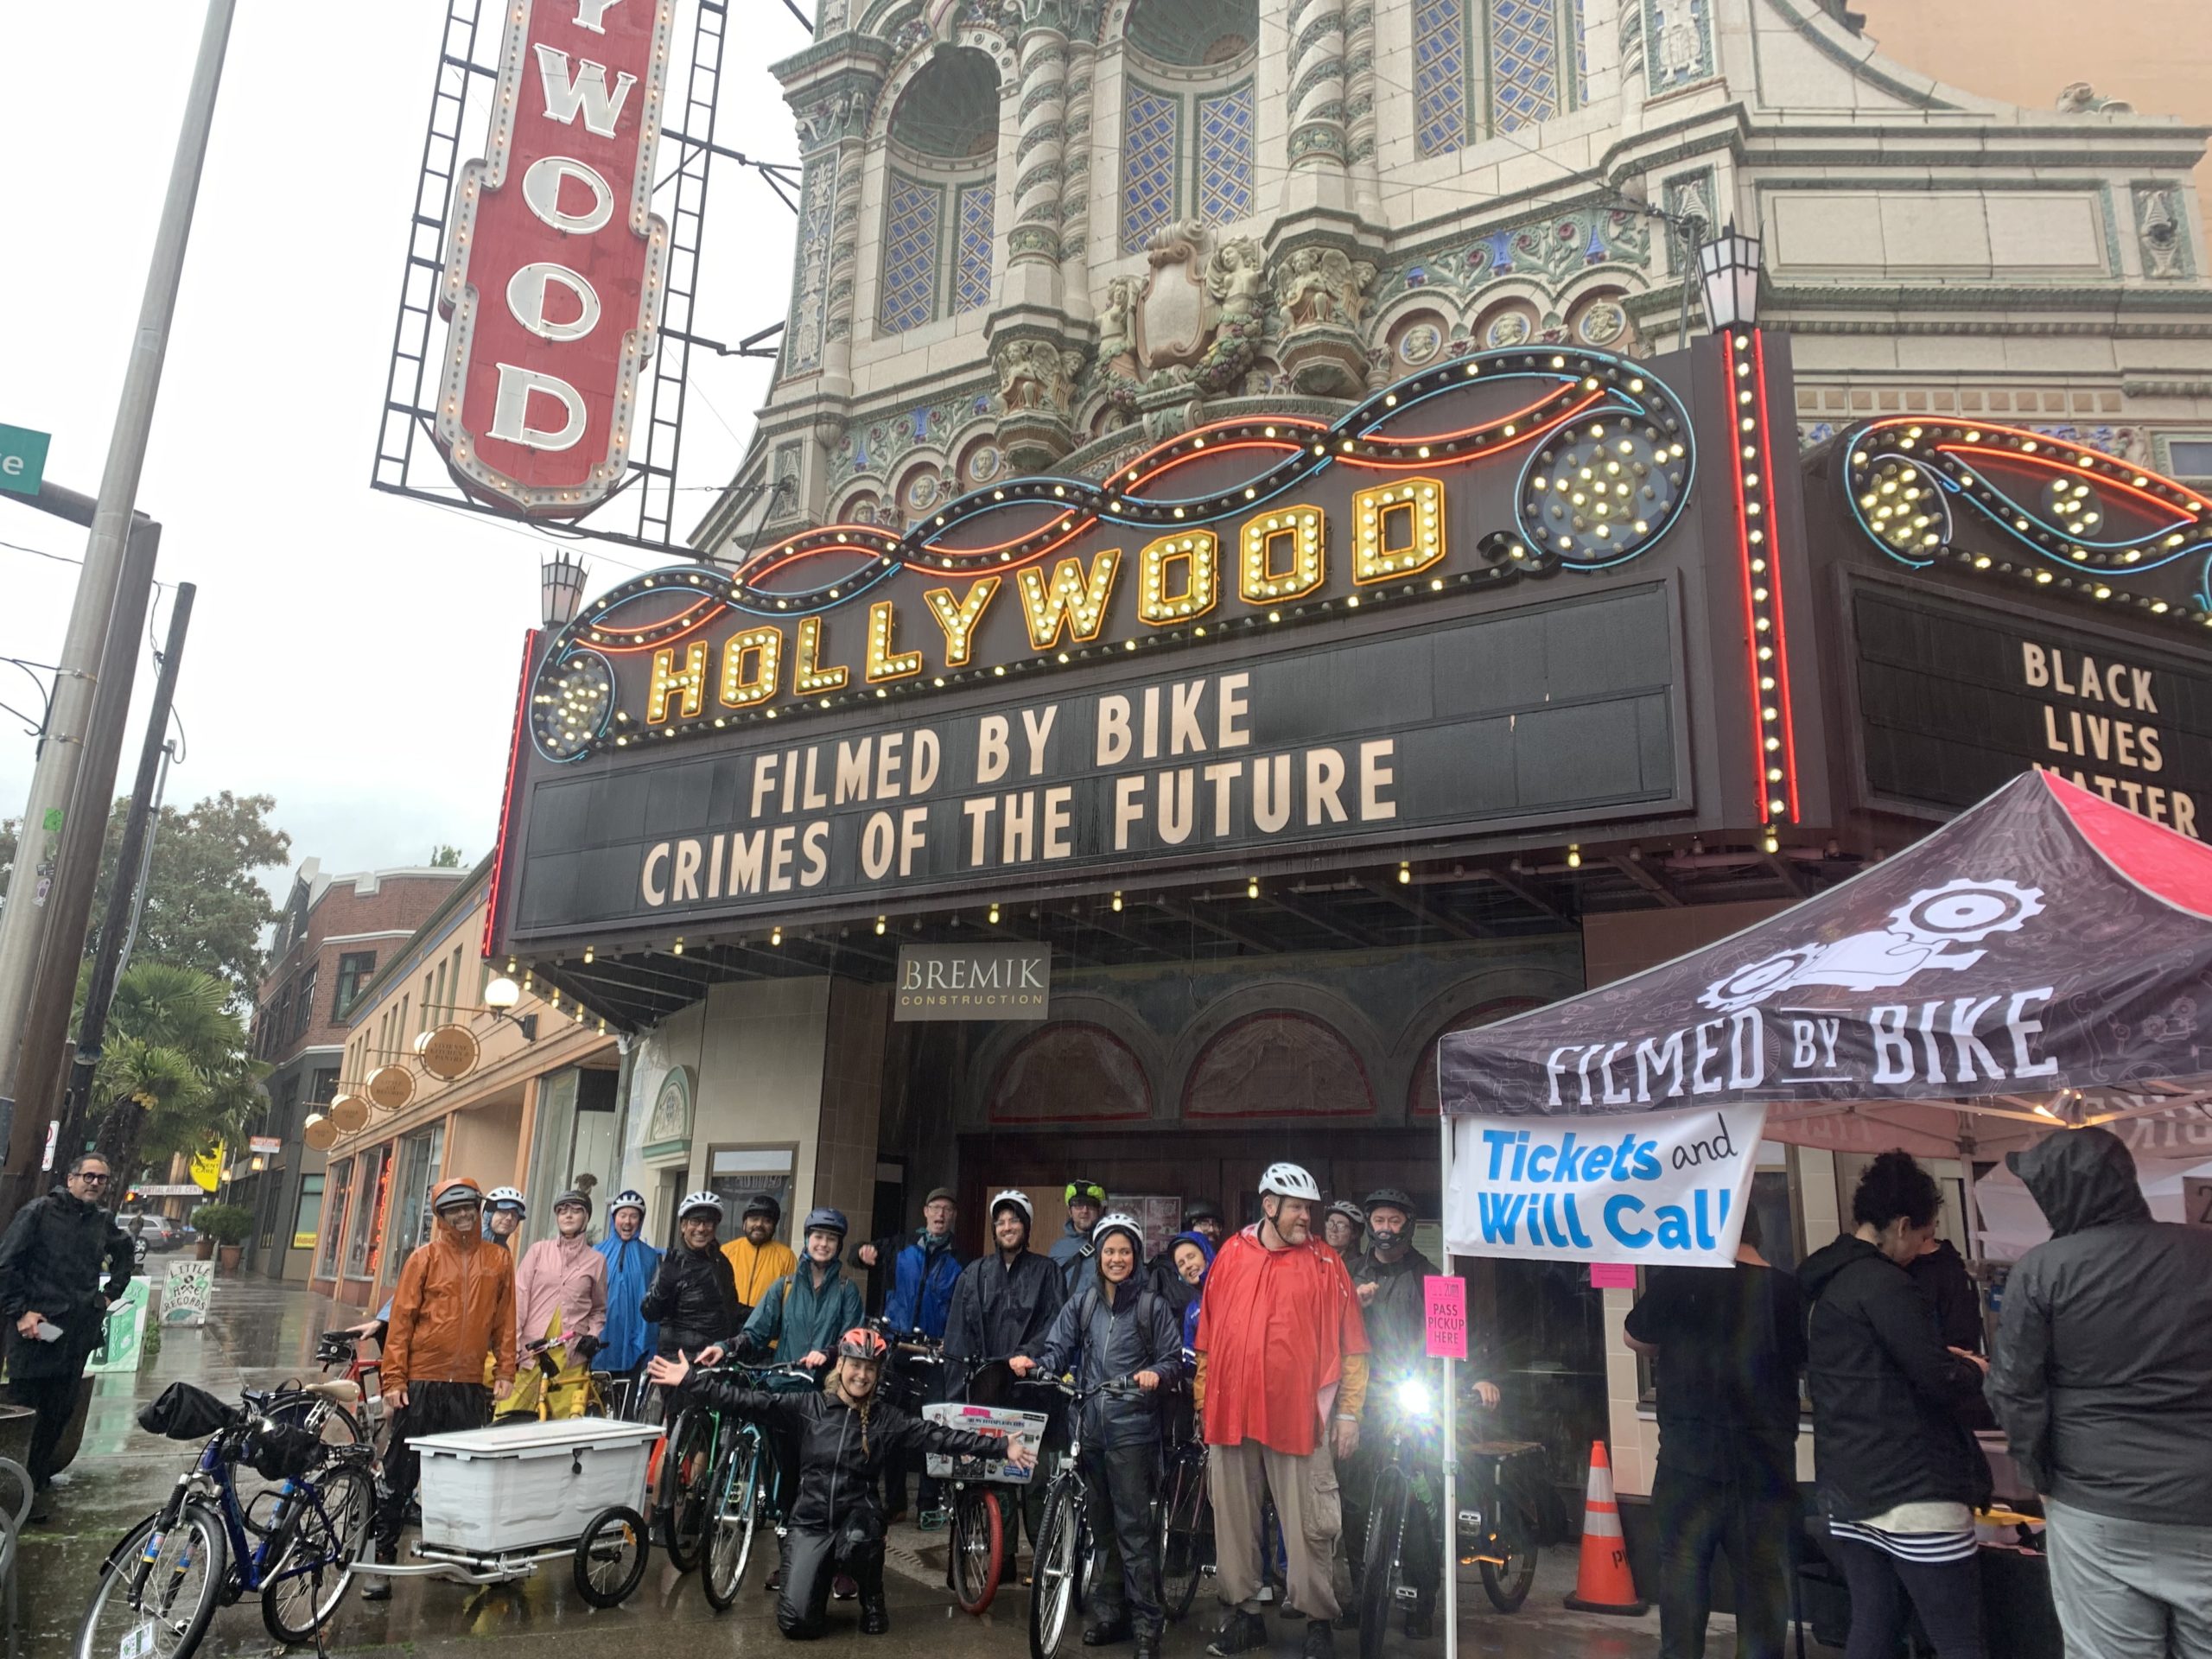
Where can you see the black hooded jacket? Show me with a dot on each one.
(2103, 1375)
(694, 1298)
(1886, 1393)
(999, 1310)
(50, 1263)
(840, 1453)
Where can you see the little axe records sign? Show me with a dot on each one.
(973, 982)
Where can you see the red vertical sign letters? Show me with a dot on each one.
(555, 261)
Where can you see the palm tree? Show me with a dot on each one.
(174, 1075)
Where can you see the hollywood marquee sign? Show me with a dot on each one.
(1487, 599)
(556, 263)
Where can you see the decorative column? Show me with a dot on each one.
(1359, 111)
(1319, 149)
(1075, 168)
(1032, 275)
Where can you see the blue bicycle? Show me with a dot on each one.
(293, 1544)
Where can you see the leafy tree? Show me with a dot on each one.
(206, 907)
(444, 857)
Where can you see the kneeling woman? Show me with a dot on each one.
(845, 1435)
(1112, 1329)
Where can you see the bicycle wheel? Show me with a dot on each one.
(610, 1557)
(1054, 1597)
(156, 1595)
(733, 1513)
(978, 1544)
(1506, 1582)
(313, 1550)
(683, 1472)
(1185, 1535)
(1378, 1583)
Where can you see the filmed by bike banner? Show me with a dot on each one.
(1655, 1189)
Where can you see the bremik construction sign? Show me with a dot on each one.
(556, 263)
(973, 982)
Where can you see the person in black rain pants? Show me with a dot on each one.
(845, 1435)
(1114, 1328)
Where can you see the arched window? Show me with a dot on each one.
(1187, 114)
(1487, 67)
(939, 199)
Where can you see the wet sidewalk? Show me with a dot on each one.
(259, 1333)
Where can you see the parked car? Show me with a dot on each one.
(159, 1233)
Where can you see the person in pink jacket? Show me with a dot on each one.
(560, 1309)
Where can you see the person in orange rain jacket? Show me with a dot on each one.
(455, 1303)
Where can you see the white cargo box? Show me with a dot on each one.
(526, 1485)
(983, 1420)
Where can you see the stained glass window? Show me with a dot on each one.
(1439, 75)
(971, 269)
(1524, 62)
(912, 224)
(1225, 154)
(1148, 147)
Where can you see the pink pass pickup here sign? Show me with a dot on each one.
(1447, 1301)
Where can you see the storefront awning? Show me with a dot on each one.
(2046, 955)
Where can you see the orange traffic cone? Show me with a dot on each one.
(1604, 1585)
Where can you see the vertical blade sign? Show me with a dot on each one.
(555, 261)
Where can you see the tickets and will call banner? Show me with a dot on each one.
(1651, 1189)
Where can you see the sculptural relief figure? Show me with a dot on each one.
(2079, 98)
(1323, 287)
(2160, 233)
(1117, 327)
(1034, 374)
(1236, 280)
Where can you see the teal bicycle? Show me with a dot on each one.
(716, 1476)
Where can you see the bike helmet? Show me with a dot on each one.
(507, 1197)
(860, 1343)
(1289, 1181)
(455, 1193)
(1351, 1212)
(703, 1199)
(761, 1204)
(825, 1220)
(1119, 1222)
(575, 1195)
(1200, 1210)
(1085, 1190)
(1396, 1197)
(1013, 1198)
(629, 1198)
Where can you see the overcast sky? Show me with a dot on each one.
(352, 653)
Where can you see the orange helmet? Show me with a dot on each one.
(860, 1343)
(454, 1193)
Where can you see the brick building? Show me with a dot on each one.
(335, 929)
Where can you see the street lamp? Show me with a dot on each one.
(563, 588)
(1730, 267)
(500, 996)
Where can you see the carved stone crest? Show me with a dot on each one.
(1174, 312)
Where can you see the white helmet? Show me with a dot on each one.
(506, 1198)
(1119, 1222)
(1289, 1181)
(1019, 1200)
(704, 1199)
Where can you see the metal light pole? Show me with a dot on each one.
(48, 838)
(128, 887)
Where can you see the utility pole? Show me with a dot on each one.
(40, 930)
(129, 885)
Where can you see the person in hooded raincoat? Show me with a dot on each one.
(560, 1301)
(630, 1337)
(2102, 1378)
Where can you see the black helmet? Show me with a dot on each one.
(575, 1195)
(764, 1204)
(1396, 1197)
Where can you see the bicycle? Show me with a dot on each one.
(1500, 1530)
(539, 1408)
(1064, 1537)
(712, 1462)
(1187, 1549)
(160, 1584)
(980, 1521)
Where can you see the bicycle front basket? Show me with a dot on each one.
(185, 1411)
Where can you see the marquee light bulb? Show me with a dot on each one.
(1117, 902)
(878, 926)
(776, 934)
(1252, 888)
(1405, 875)
(1574, 858)
(995, 915)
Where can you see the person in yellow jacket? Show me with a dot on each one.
(757, 1257)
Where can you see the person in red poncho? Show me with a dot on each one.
(1282, 1372)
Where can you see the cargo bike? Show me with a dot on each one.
(499, 1503)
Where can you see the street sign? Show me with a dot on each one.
(22, 459)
